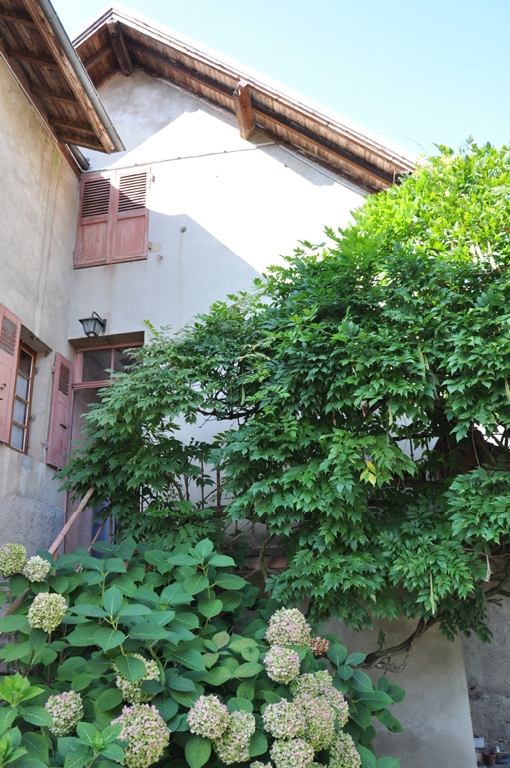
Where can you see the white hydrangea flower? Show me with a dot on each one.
(47, 611)
(36, 568)
(66, 710)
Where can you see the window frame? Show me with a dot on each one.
(113, 225)
(16, 398)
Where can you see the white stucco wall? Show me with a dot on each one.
(221, 209)
(38, 204)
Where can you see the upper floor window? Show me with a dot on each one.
(113, 217)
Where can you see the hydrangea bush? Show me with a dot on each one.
(161, 654)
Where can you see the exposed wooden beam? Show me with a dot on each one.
(120, 48)
(182, 71)
(65, 66)
(97, 56)
(35, 58)
(60, 125)
(244, 110)
(46, 93)
(17, 18)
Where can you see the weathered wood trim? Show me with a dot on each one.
(17, 18)
(120, 48)
(60, 125)
(244, 110)
(46, 93)
(97, 56)
(35, 58)
(68, 72)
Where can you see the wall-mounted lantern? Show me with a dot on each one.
(94, 325)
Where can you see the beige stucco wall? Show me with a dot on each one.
(221, 209)
(38, 204)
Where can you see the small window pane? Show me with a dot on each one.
(18, 437)
(20, 412)
(96, 364)
(22, 386)
(121, 358)
(25, 362)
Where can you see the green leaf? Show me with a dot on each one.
(181, 684)
(13, 623)
(250, 669)
(130, 667)
(109, 699)
(87, 732)
(210, 608)
(221, 639)
(355, 658)
(204, 548)
(37, 746)
(186, 620)
(367, 757)
(84, 635)
(108, 638)
(258, 744)
(18, 584)
(388, 720)
(374, 699)
(218, 675)
(236, 704)
(360, 681)
(36, 716)
(337, 653)
(113, 752)
(190, 659)
(230, 581)
(112, 601)
(387, 762)
(146, 631)
(221, 561)
(196, 583)
(77, 759)
(7, 716)
(197, 751)
(84, 609)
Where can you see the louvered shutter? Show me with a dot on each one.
(130, 228)
(10, 328)
(96, 204)
(60, 420)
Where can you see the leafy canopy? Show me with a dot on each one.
(362, 401)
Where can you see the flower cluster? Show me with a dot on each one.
(208, 717)
(292, 753)
(258, 764)
(66, 710)
(47, 611)
(132, 692)
(288, 627)
(321, 684)
(319, 718)
(343, 752)
(36, 568)
(284, 720)
(282, 664)
(12, 559)
(233, 746)
(146, 733)
(319, 646)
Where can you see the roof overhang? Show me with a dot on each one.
(119, 42)
(41, 56)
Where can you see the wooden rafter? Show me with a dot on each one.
(60, 125)
(97, 56)
(17, 18)
(244, 110)
(120, 48)
(35, 58)
(63, 63)
(46, 93)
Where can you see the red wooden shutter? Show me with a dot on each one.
(130, 228)
(10, 328)
(60, 420)
(96, 204)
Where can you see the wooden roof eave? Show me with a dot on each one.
(257, 107)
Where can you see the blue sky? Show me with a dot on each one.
(418, 72)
